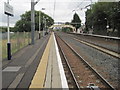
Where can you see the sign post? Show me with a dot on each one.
(9, 11)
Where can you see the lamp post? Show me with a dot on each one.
(33, 20)
(44, 25)
(40, 21)
(107, 26)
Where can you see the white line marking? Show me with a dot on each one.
(17, 80)
(11, 69)
(62, 73)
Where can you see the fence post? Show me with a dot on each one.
(29, 38)
(18, 40)
(24, 38)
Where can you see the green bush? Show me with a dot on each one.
(67, 29)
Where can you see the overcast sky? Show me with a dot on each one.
(63, 11)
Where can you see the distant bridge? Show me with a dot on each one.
(63, 25)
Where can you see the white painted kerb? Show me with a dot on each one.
(62, 73)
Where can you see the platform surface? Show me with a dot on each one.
(52, 75)
(50, 72)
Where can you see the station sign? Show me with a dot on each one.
(8, 9)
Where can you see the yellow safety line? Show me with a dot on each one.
(100, 48)
(39, 77)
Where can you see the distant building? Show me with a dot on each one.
(90, 31)
(81, 29)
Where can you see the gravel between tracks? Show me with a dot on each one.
(105, 64)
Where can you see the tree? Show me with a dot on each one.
(100, 18)
(115, 15)
(89, 22)
(76, 22)
(67, 23)
(101, 15)
(24, 24)
(67, 29)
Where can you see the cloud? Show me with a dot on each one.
(63, 9)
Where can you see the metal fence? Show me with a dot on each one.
(18, 40)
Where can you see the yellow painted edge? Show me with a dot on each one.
(39, 77)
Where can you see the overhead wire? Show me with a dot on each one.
(80, 4)
(74, 9)
(50, 8)
(69, 12)
(54, 9)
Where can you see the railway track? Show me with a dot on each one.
(72, 82)
(84, 75)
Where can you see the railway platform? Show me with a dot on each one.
(50, 73)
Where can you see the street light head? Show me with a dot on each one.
(43, 8)
(107, 26)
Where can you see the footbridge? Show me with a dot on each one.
(63, 26)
